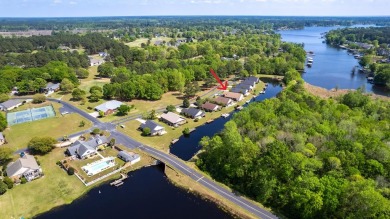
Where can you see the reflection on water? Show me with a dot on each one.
(332, 67)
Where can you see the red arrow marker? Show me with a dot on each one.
(223, 85)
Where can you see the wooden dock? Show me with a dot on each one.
(174, 141)
(119, 182)
(210, 121)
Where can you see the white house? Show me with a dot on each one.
(109, 106)
(95, 62)
(172, 119)
(25, 166)
(129, 157)
(2, 139)
(85, 149)
(10, 104)
(155, 128)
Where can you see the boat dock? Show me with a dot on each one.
(192, 130)
(225, 115)
(174, 141)
(210, 121)
(119, 182)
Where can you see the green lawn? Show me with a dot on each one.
(19, 135)
(163, 142)
(138, 42)
(54, 189)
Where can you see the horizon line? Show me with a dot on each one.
(314, 16)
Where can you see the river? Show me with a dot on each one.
(148, 194)
(332, 67)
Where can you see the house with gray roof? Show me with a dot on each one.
(240, 90)
(172, 119)
(248, 82)
(52, 87)
(155, 128)
(2, 139)
(193, 113)
(85, 149)
(109, 107)
(129, 157)
(253, 78)
(11, 104)
(25, 166)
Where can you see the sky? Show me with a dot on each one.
(86, 8)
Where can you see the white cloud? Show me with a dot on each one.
(73, 3)
(57, 1)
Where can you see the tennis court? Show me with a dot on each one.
(29, 115)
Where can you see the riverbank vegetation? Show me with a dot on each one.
(372, 43)
(307, 157)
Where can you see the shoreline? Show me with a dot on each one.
(333, 93)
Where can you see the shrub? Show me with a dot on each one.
(196, 120)
(70, 171)
(41, 145)
(96, 131)
(8, 181)
(23, 180)
(3, 187)
(186, 131)
(58, 163)
(39, 98)
(146, 131)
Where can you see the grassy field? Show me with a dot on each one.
(138, 42)
(54, 189)
(163, 142)
(19, 135)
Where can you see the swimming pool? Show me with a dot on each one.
(99, 166)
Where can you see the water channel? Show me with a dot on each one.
(148, 194)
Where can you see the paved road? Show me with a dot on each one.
(171, 161)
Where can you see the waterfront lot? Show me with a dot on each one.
(53, 189)
(164, 142)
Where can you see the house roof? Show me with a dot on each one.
(172, 117)
(209, 106)
(10, 103)
(239, 90)
(193, 112)
(128, 156)
(27, 161)
(222, 100)
(52, 86)
(83, 148)
(154, 127)
(1, 136)
(252, 78)
(233, 95)
(109, 105)
(80, 147)
(248, 82)
(244, 86)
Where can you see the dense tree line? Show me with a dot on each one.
(187, 22)
(147, 73)
(364, 35)
(32, 80)
(307, 157)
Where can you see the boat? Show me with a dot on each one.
(262, 92)
(247, 101)
(225, 115)
(210, 121)
(239, 108)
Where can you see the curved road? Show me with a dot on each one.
(171, 161)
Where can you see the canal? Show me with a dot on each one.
(148, 194)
